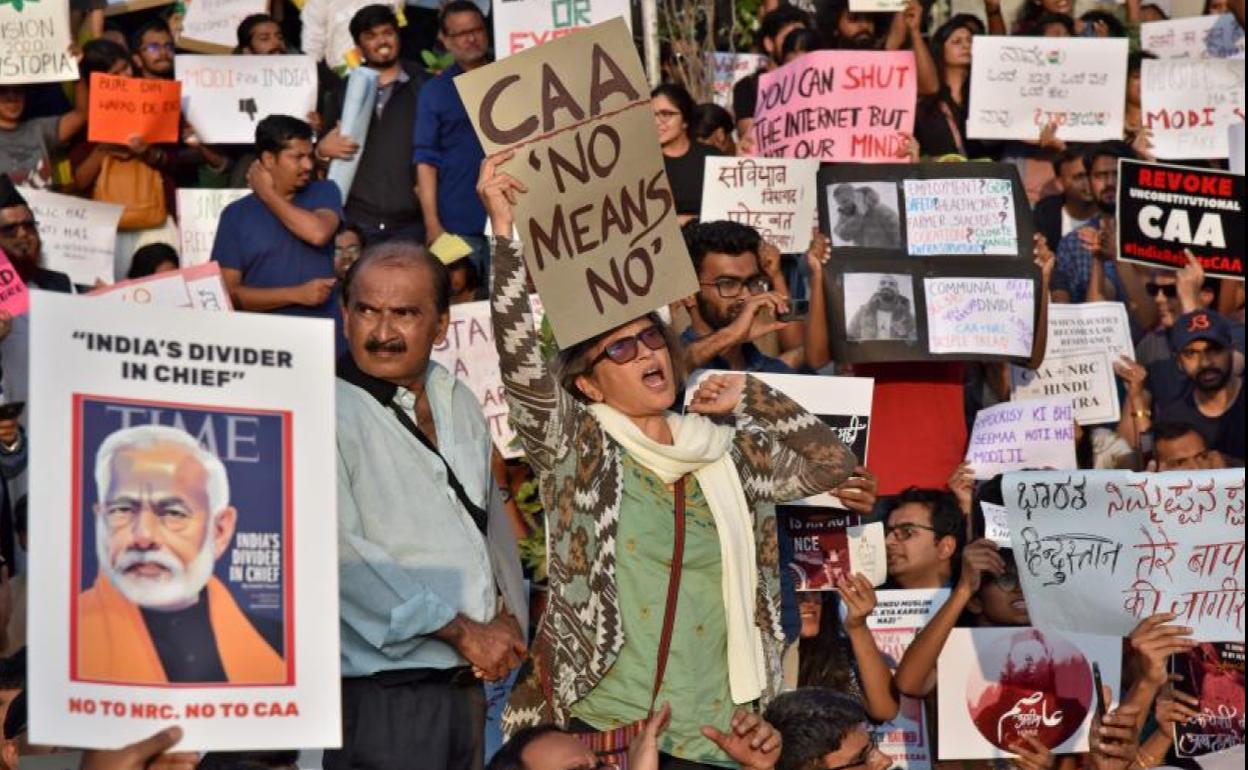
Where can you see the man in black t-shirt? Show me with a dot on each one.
(771, 33)
(1214, 401)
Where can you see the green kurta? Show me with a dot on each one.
(696, 678)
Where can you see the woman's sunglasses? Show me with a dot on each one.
(625, 349)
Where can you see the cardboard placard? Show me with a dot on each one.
(196, 288)
(775, 196)
(35, 45)
(1099, 551)
(996, 686)
(598, 222)
(199, 212)
(1189, 103)
(523, 24)
(211, 26)
(1014, 435)
(932, 260)
(896, 620)
(14, 296)
(226, 96)
(1021, 84)
(122, 107)
(728, 69)
(1163, 210)
(78, 235)
(844, 106)
(1214, 674)
(249, 399)
(1194, 37)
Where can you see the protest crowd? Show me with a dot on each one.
(592, 550)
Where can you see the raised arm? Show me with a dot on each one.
(536, 401)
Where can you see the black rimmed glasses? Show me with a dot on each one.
(729, 287)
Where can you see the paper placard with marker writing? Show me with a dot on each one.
(14, 296)
(1021, 84)
(226, 96)
(78, 235)
(598, 222)
(35, 45)
(197, 288)
(932, 260)
(1188, 105)
(1195, 37)
(523, 24)
(775, 196)
(1099, 551)
(211, 26)
(199, 212)
(122, 108)
(235, 637)
(1014, 435)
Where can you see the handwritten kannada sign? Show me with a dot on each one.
(598, 222)
(1194, 37)
(896, 620)
(14, 297)
(78, 235)
(199, 211)
(1166, 210)
(1021, 84)
(34, 43)
(997, 686)
(522, 24)
(960, 216)
(1017, 435)
(121, 108)
(226, 96)
(1098, 551)
(775, 196)
(980, 315)
(1189, 103)
(728, 69)
(211, 26)
(837, 106)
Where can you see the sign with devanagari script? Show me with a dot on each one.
(775, 196)
(1194, 37)
(1099, 551)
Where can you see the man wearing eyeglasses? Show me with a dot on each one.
(924, 532)
(152, 51)
(736, 304)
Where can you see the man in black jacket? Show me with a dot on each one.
(382, 200)
(1073, 206)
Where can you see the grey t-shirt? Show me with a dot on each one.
(26, 150)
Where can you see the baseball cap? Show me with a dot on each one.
(1201, 325)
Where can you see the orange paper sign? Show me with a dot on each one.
(124, 107)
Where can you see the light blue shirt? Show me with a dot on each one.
(410, 556)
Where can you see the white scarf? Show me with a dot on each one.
(703, 448)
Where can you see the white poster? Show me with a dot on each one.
(224, 97)
(1099, 551)
(213, 24)
(898, 617)
(199, 211)
(196, 288)
(521, 24)
(981, 315)
(730, 69)
(1021, 84)
(999, 685)
(996, 523)
(775, 196)
(1011, 436)
(1194, 37)
(468, 352)
(34, 42)
(1188, 104)
(877, 6)
(1084, 341)
(183, 565)
(78, 235)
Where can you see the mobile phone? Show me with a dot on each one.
(1101, 706)
(798, 310)
(12, 410)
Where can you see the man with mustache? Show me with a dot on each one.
(430, 591)
(1214, 400)
(1086, 268)
(156, 614)
(276, 246)
(887, 315)
(864, 220)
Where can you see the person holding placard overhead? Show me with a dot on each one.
(645, 504)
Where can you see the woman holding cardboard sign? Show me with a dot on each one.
(662, 542)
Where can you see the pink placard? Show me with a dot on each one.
(14, 297)
(844, 106)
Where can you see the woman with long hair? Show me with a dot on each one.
(662, 544)
(684, 158)
(940, 121)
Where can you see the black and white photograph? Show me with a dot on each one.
(880, 306)
(864, 214)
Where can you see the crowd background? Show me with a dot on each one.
(288, 248)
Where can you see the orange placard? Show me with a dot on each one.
(124, 107)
